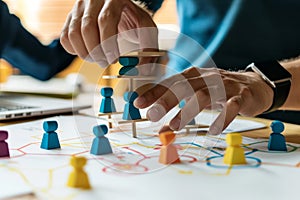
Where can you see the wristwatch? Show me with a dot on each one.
(277, 77)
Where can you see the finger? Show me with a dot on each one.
(108, 21)
(144, 88)
(157, 91)
(228, 113)
(90, 32)
(182, 89)
(148, 37)
(165, 129)
(74, 34)
(147, 66)
(191, 109)
(148, 41)
(171, 98)
(64, 38)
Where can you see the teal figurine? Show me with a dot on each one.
(101, 144)
(130, 112)
(107, 103)
(129, 66)
(50, 138)
(277, 140)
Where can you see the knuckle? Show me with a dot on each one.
(202, 100)
(87, 23)
(193, 71)
(203, 96)
(79, 3)
(246, 92)
(105, 17)
(236, 101)
(202, 92)
(230, 82)
(216, 75)
(227, 81)
(73, 33)
(64, 37)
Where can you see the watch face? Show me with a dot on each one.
(273, 70)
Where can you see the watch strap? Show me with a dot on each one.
(281, 93)
(282, 87)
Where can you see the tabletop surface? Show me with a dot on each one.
(222, 177)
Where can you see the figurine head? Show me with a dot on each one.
(277, 126)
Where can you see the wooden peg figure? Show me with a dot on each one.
(100, 145)
(4, 152)
(78, 177)
(168, 152)
(107, 103)
(277, 140)
(130, 112)
(234, 154)
(129, 66)
(50, 138)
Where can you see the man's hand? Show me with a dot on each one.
(92, 27)
(236, 93)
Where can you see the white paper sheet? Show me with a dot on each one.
(133, 171)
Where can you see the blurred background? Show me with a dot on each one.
(45, 19)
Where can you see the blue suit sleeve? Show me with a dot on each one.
(152, 5)
(25, 52)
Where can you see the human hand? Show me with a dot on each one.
(244, 93)
(95, 29)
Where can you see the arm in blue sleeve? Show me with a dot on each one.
(152, 5)
(24, 51)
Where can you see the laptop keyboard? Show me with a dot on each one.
(7, 106)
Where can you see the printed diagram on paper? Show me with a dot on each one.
(133, 170)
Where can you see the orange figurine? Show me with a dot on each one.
(168, 152)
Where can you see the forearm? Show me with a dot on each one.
(293, 100)
(24, 51)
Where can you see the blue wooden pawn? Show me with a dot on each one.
(100, 145)
(129, 66)
(129, 61)
(50, 138)
(129, 71)
(277, 140)
(130, 112)
(107, 103)
(181, 105)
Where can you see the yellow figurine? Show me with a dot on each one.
(234, 154)
(78, 177)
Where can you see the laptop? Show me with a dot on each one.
(16, 106)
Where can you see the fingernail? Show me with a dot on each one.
(175, 124)
(214, 130)
(139, 102)
(155, 113)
